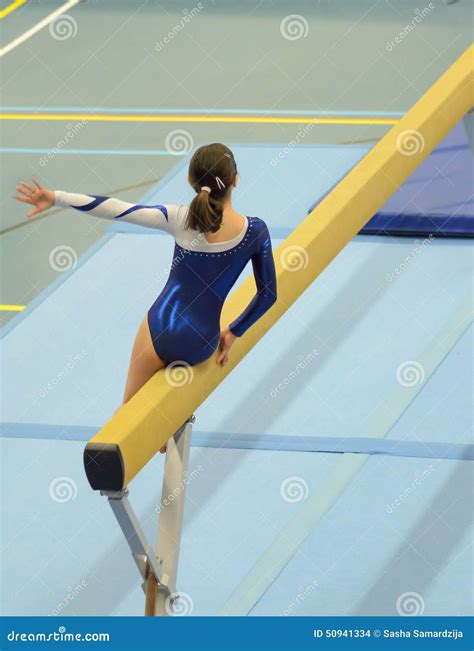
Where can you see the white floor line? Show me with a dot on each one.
(31, 32)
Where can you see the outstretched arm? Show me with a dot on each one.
(104, 207)
(265, 280)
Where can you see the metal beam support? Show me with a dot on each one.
(142, 551)
(171, 514)
(159, 573)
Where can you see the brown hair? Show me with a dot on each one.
(212, 166)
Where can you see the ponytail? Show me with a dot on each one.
(212, 173)
(205, 213)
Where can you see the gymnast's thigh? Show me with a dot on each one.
(144, 361)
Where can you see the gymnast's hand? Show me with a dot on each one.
(226, 341)
(39, 197)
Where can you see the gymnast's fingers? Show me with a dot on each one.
(23, 191)
(38, 185)
(34, 212)
(18, 197)
(27, 186)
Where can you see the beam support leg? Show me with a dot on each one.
(159, 572)
(171, 516)
(142, 551)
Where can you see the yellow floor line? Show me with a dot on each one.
(12, 308)
(11, 7)
(195, 118)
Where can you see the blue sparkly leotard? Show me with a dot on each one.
(184, 320)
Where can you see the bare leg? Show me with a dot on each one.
(144, 363)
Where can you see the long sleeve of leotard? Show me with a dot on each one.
(265, 280)
(161, 217)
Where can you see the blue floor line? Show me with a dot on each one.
(315, 145)
(125, 152)
(89, 152)
(273, 442)
(196, 111)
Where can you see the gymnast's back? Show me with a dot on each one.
(184, 321)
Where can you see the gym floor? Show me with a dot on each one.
(230, 56)
(400, 534)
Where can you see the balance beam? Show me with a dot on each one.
(115, 455)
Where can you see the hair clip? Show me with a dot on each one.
(230, 156)
(220, 184)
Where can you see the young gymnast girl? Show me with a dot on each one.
(213, 244)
